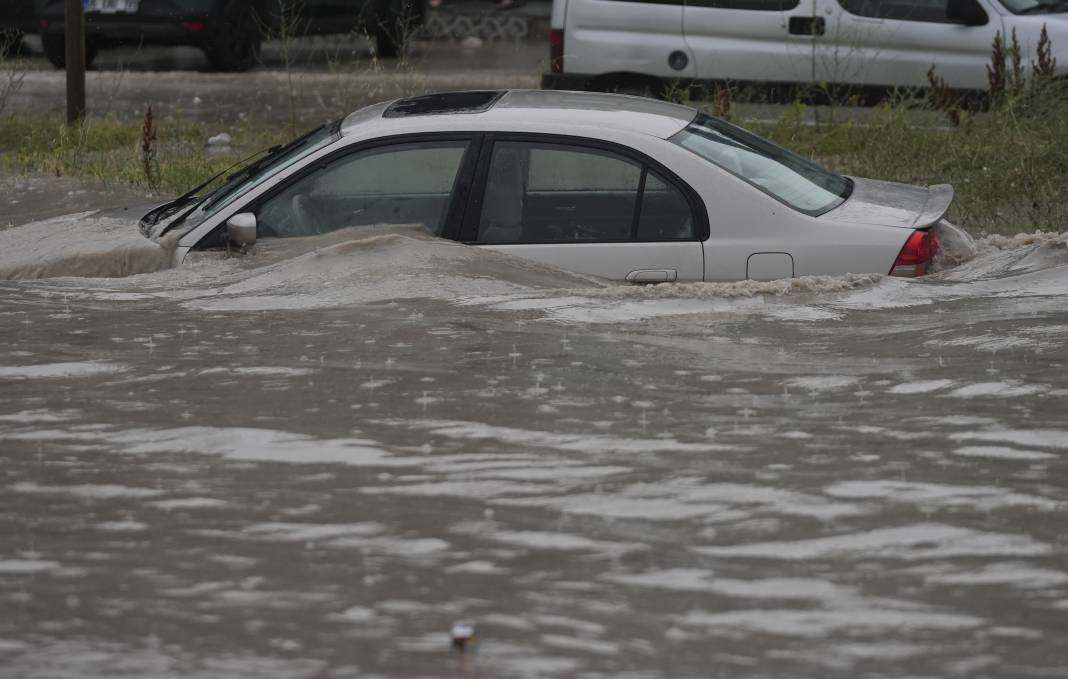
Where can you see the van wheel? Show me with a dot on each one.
(234, 38)
(55, 48)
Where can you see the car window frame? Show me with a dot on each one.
(473, 213)
(458, 196)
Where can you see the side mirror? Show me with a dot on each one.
(241, 229)
(967, 12)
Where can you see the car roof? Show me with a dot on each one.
(507, 110)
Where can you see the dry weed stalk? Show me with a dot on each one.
(1046, 66)
(149, 164)
(943, 98)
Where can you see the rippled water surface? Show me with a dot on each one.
(311, 464)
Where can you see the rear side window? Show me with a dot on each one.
(558, 193)
(796, 181)
(901, 10)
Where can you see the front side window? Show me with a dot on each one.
(559, 193)
(1036, 6)
(796, 181)
(243, 181)
(899, 10)
(408, 183)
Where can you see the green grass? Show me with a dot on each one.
(111, 149)
(1009, 165)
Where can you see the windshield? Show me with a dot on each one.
(1035, 6)
(796, 181)
(255, 174)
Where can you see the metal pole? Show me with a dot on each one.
(75, 28)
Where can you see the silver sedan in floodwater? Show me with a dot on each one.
(620, 187)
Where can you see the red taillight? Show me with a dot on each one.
(44, 24)
(193, 26)
(556, 51)
(918, 252)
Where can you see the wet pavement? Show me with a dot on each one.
(313, 465)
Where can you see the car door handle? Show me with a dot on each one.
(653, 276)
(807, 26)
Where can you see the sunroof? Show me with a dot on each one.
(475, 101)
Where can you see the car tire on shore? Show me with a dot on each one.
(55, 48)
(234, 37)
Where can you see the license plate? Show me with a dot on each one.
(112, 6)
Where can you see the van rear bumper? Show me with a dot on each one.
(565, 81)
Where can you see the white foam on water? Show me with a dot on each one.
(310, 532)
(1002, 453)
(1020, 575)
(883, 650)
(566, 542)
(57, 370)
(1003, 389)
(614, 506)
(920, 387)
(269, 371)
(86, 244)
(87, 491)
(356, 615)
(258, 445)
(404, 548)
(580, 443)
(128, 526)
(578, 625)
(677, 500)
(1037, 438)
(914, 542)
(809, 624)
(984, 498)
(584, 645)
(557, 473)
(694, 580)
(26, 566)
(11, 645)
(190, 503)
(822, 382)
(351, 267)
(991, 343)
(477, 568)
(466, 489)
(40, 415)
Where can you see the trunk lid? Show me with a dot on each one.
(892, 204)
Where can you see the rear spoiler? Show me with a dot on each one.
(939, 198)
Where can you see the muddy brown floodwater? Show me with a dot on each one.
(314, 465)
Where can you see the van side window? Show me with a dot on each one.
(753, 5)
(899, 10)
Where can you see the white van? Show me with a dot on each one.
(639, 46)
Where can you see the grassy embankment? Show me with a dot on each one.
(1008, 162)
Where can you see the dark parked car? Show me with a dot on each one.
(16, 20)
(229, 31)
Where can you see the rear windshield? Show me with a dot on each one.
(796, 181)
